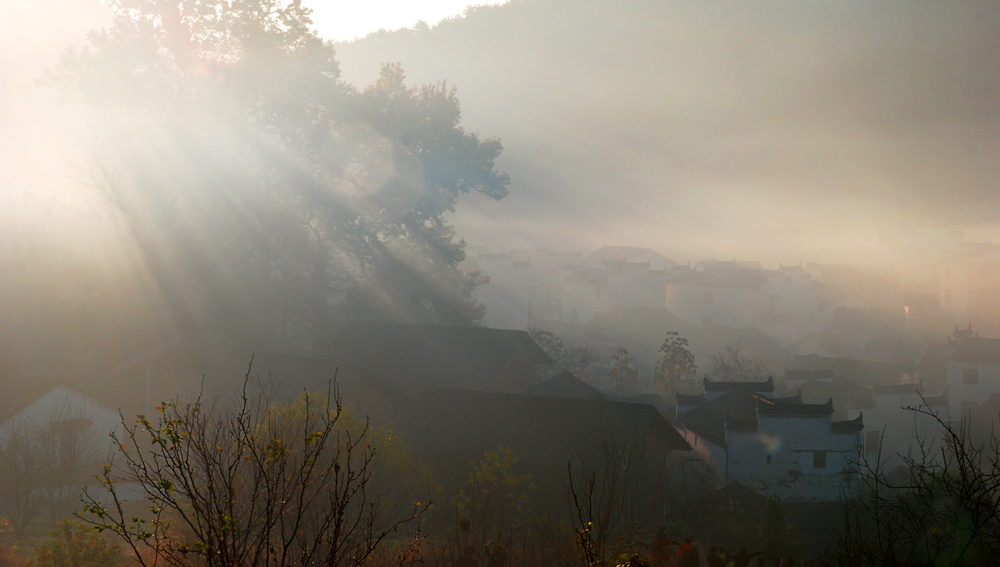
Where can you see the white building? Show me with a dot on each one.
(896, 424)
(776, 446)
(973, 375)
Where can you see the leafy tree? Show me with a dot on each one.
(43, 462)
(76, 545)
(10, 553)
(676, 368)
(579, 361)
(492, 500)
(624, 375)
(250, 484)
(264, 194)
(732, 363)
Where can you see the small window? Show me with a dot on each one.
(769, 459)
(819, 460)
(708, 296)
(970, 376)
(873, 442)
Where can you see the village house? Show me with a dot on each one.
(771, 445)
(526, 286)
(412, 357)
(973, 375)
(783, 303)
(629, 445)
(970, 285)
(899, 422)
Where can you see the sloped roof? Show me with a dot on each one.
(737, 409)
(856, 424)
(823, 374)
(862, 372)
(657, 401)
(709, 420)
(722, 386)
(565, 385)
(182, 372)
(621, 253)
(540, 430)
(978, 350)
(770, 407)
(690, 400)
(414, 357)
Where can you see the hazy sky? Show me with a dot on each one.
(348, 19)
(781, 131)
(773, 130)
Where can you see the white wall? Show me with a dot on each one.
(961, 395)
(791, 442)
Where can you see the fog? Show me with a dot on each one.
(708, 131)
(691, 254)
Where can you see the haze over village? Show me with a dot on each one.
(539, 282)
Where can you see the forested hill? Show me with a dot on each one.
(725, 118)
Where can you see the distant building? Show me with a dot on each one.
(970, 285)
(896, 424)
(546, 434)
(777, 446)
(973, 375)
(782, 303)
(528, 287)
(413, 358)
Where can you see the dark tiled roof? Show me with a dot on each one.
(978, 350)
(414, 357)
(856, 424)
(772, 407)
(713, 386)
(853, 370)
(686, 400)
(709, 419)
(824, 374)
(540, 430)
(565, 385)
(739, 409)
(657, 401)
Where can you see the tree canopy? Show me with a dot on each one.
(265, 195)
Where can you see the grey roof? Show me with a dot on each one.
(809, 374)
(977, 350)
(709, 420)
(722, 386)
(856, 424)
(414, 357)
(652, 399)
(690, 400)
(771, 407)
(540, 430)
(739, 410)
(565, 385)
